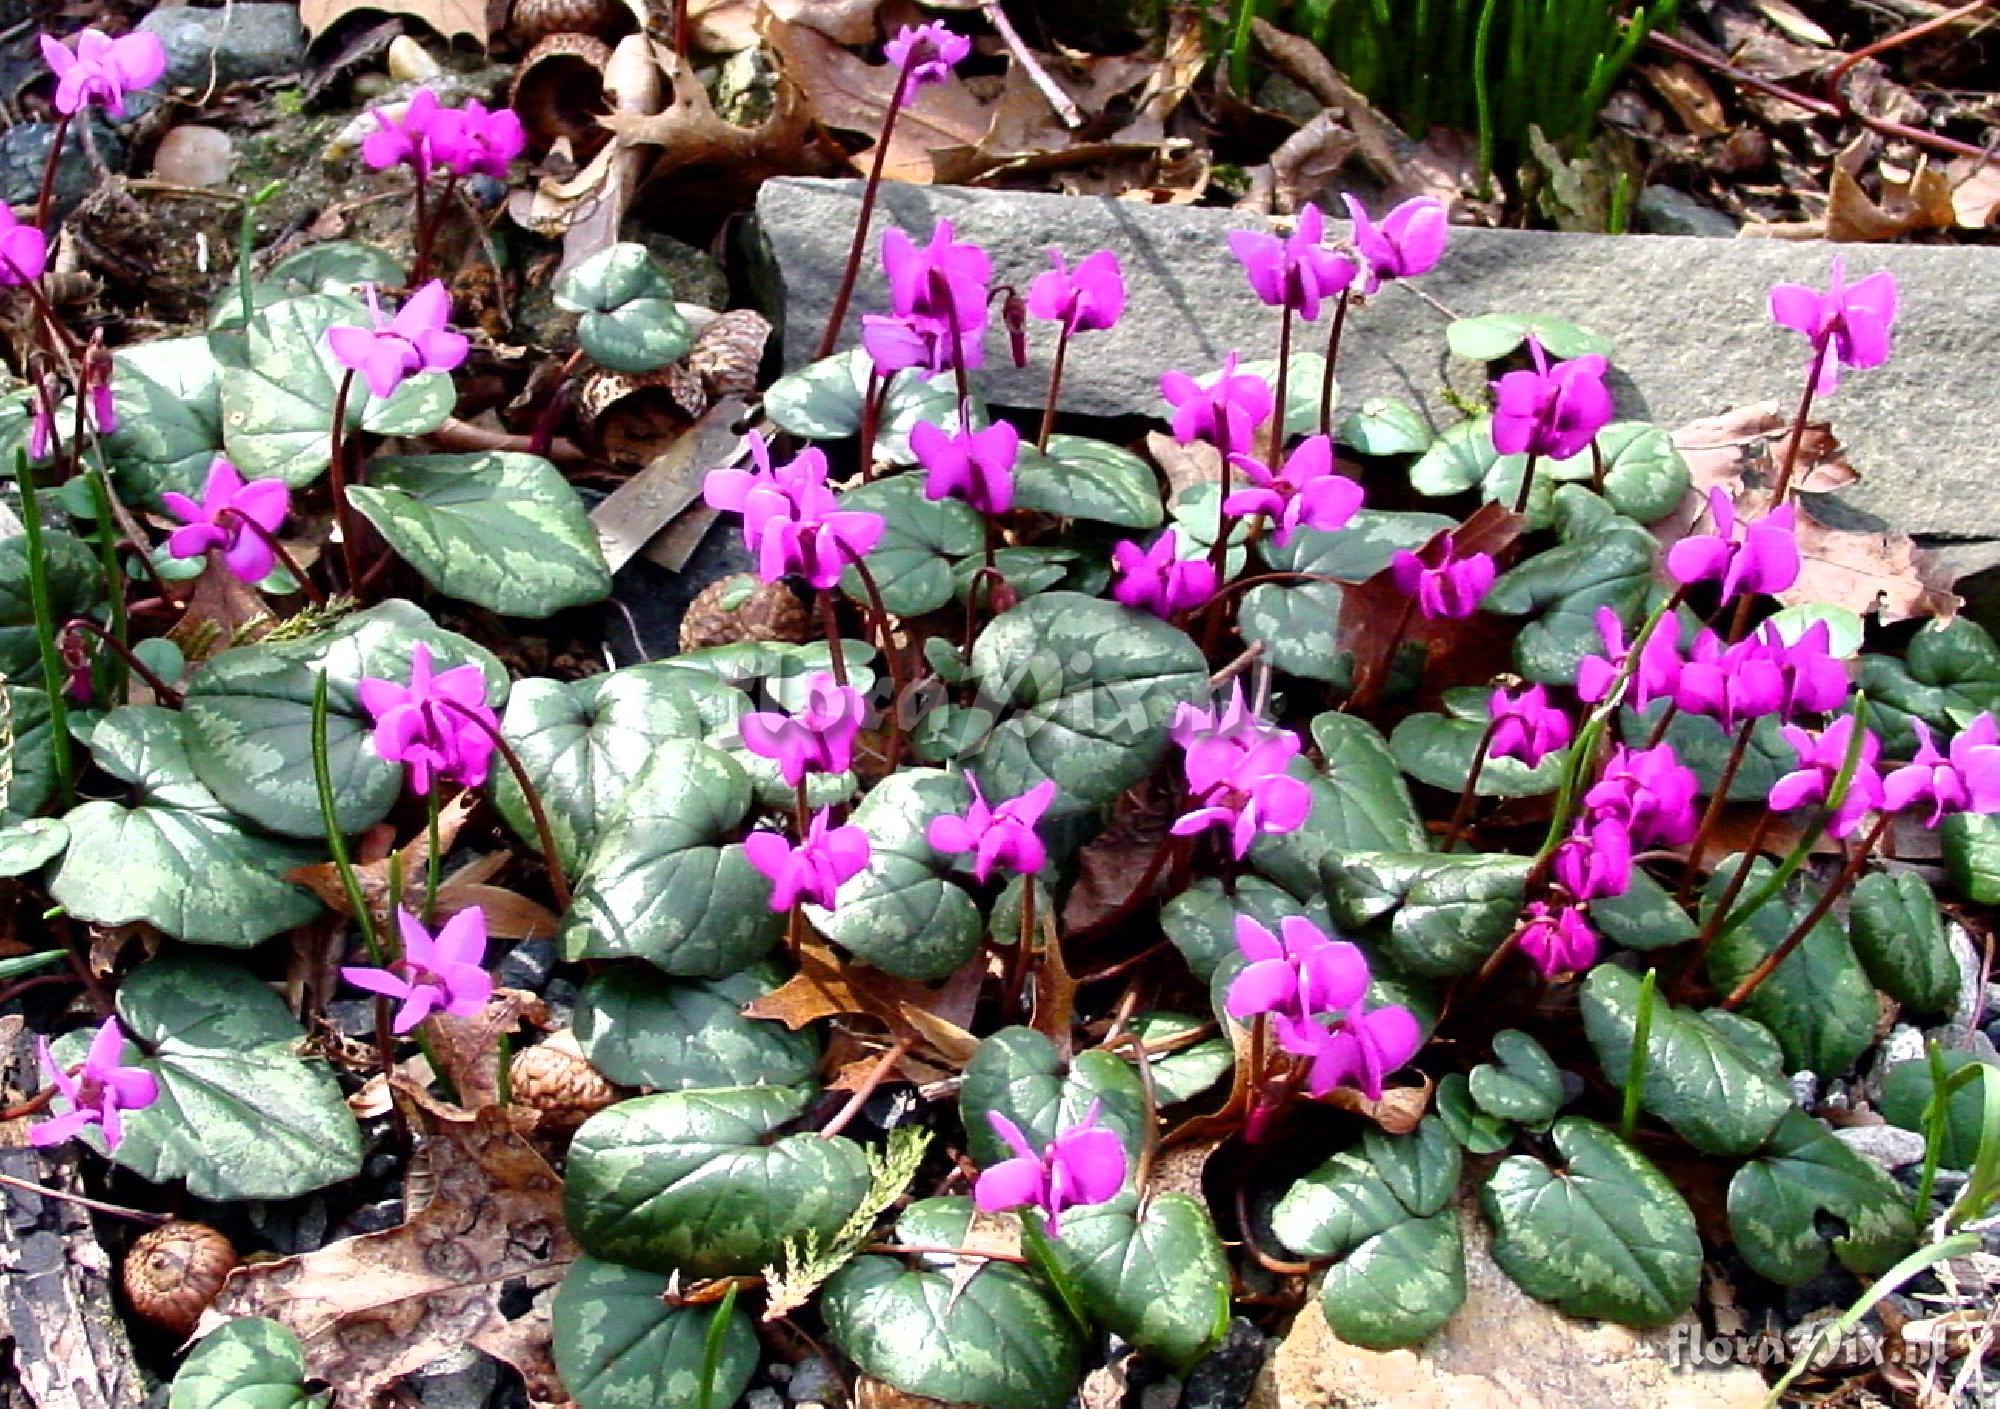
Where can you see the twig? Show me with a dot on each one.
(115, 1210)
(1071, 115)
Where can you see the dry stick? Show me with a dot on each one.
(1326, 378)
(283, 554)
(848, 275)
(1836, 75)
(1718, 800)
(1841, 883)
(877, 1074)
(543, 833)
(115, 1210)
(1065, 109)
(337, 477)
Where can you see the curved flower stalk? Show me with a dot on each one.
(1847, 326)
(427, 136)
(98, 1093)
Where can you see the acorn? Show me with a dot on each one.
(633, 415)
(174, 1273)
(533, 20)
(741, 607)
(560, 1084)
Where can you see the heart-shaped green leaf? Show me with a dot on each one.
(664, 884)
(76, 586)
(1644, 917)
(1017, 1073)
(1777, 1200)
(279, 388)
(176, 859)
(1298, 625)
(1078, 690)
(823, 401)
(1606, 1236)
(168, 401)
(1359, 803)
(904, 914)
(1438, 749)
(1080, 478)
(620, 1341)
(980, 1333)
(1645, 477)
(248, 717)
(582, 742)
(1525, 1087)
(1400, 1286)
(1898, 934)
(1383, 425)
(501, 530)
(240, 1115)
(31, 844)
(1906, 1090)
(692, 1181)
(1446, 914)
(1971, 843)
(922, 539)
(641, 1028)
(1566, 586)
(1475, 1130)
(1818, 1002)
(1201, 920)
(1362, 1192)
(1492, 336)
(1709, 1075)
(250, 1363)
(630, 323)
(1154, 1275)
(1949, 673)
(1181, 1069)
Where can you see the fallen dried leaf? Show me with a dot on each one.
(468, 1049)
(476, 19)
(1680, 83)
(634, 514)
(842, 21)
(489, 1238)
(1398, 1112)
(1185, 466)
(727, 26)
(1303, 165)
(827, 986)
(1923, 202)
(1975, 191)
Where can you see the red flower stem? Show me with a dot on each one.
(283, 554)
(877, 1074)
(1716, 802)
(1527, 483)
(420, 266)
(1055, 388)
(1276, 446)
(900, 678)
(1798, 434)
(871, 419)
(1327, 383)
(544, 433)
(336, 474)
(168, 695)
(45, 200)
(845, 296)
(1737, 879)
(544, 834)
(1149, 1145)
(836, 653)
(1463, 812)
(1841, 883)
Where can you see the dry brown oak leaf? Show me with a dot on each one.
(372, 1309)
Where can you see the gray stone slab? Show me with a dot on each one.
(1688, 317)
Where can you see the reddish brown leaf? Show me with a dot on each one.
(1398, 1111)
(828, 986)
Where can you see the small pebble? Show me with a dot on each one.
(1805, 1089)
(765, 1398)
(813, 1382)
(195, 156)
(1165, 1395)
(1885, 1146)
(371, 1218)
(527, 965)
(410, 62)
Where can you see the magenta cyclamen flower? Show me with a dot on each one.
(472, 141)
(1084, 1164)
(1225, 413)
(1158, 579)
(944, 281)
(1307, 493)
(99, 1092)
(927, 52)
(1247, 792)
(1821, 757)
(1812, 679)
(1558, 942)
(1527, 727)
(218, 521)
(1759, 557)
(1656, 676)
(406, 138)
(791, 521)
(1089, 298)
(1730, 684)
(445, 972)
(1965, 780)
(1444, 584)
(24, 250)
(421, 725)
(102, 70)
(1848, 325)
(976, 466)
(1594, 861)
(1295, 272)
(998, 837)
(415, 340)
(1554, 413)
(1361, 1048)
(1232, 726)
(1650, 792)
(1296, 976)
(812, 872)
(818, 739)
(1408, 242)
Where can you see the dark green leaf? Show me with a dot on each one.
(1972, 855)
(31, 844)
(166, 395)
(1525, 1087)
(1567, 585)
(1186, 1071)
(1359, 803)
(1399, 1286)
(1155, 1276)
(1017, 1073)
(1201, 920)
(501, 530)
(1446, 914)
(250, 1363)
(1906, 1089)
(1478, 1132)
(1438, 749)
(641, 1028)
(1777, 1200)
(823, 402)
(620, 1343)
(76, 586)
(921, 540)
(904, 914)
(1645, 477)
(1644, 917)
(1898, 934)
(1359, 1193)
(1950, 673)
(1492, 336)
(1080, 478)
(692, 1181)
(1605, 1237)
(630, 323)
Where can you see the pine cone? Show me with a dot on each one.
(728, 352)
(740, 607)
(175, 1271)
(534, 19)
(560, 1084)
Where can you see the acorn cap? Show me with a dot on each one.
(175, 1271)
(559, 91)
(560, 1084)
(742, 607)
(728, 351)
(533, 20)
